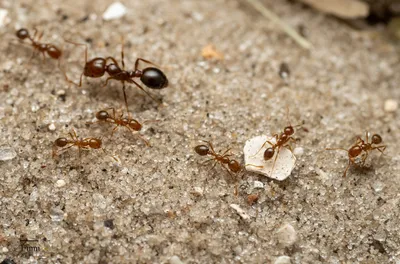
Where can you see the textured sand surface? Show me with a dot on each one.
(159, 204)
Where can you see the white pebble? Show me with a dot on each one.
(390, 105)
(52, 127)
(258, 185)
(4, 19)
(282, 260)
(254, 159)
(298, 152)
(114, 11)
(175, 260)
(60, 183)
(7, 153)
(286, 235)
(197, 191)
(4, 250)
(240, 211)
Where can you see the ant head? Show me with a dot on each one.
(22, 33)
(289, 130)
(135, 125)
(95, 143)
(202, 150)
(376, 139)
(269, 153)
(102, 115)
(355, 151)
(154, 78)
(61, 142)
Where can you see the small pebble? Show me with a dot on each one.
(258, 185)
(298, 152)
(240, 211)
(197, 191)
(4, 250)
(7, 153)
(282, 260)
(286, 235)
(114, 11)
(391, 105)
(4, 19)
(175, 260)
(60, 183)
(254, 159)
(52, 127)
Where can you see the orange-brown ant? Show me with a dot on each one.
(152, 77)
(281, 140)
(61, 144)
(362, 147)
(223, 159)
(44, 48)
(132, 124)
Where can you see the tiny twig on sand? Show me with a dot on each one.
(275, 19)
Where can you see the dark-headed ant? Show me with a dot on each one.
(223, 159)
(282, 140)
(132, 124)
(152, 77)
(62, 144)
(51, 50)
(362, 147)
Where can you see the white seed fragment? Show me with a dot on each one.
(258, 185)
(286, 235)
(175, 260)
(52, 127)
(254, 159)
(240, 211)
(114, 11)
(298, 152)
(60, 183)
(282, 260)
(7, 153)
(390, 105)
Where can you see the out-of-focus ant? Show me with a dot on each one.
(152, 77)
(44, 48)
(132, 124)
(223, 159)
(362, 147)
(61, 144)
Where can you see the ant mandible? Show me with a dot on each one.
(50, 49)
(281, 140)
(223, 159)
(152, 77)
(132, 124)
(61, 144)
(362, 147)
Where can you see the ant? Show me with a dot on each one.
(152, 77)
(281, 140)
(362, 147)
(50, 49)
(62, 143)
(132, 124)
(223, 159)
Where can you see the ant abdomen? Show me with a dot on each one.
(234, 166)
(202, 150)
(102, 115)
(154, 78)
(269, 153)
(95, 68)
(53, 51)
(61, 142)
(22, 33)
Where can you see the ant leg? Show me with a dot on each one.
(226, 152)
(269, 142)
(126, 100)
(276, 157)
(348, 166)
(41, 35)
(257, 166)
(141, 88)
(122, 53)
(366, 135)
(115, 129)
(336, 149)
(146, 61)
(381, 149)
(57, 151)
(139, 136)
(364, 158)
(205, 162)
(113, 60)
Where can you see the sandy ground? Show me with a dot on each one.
(159, 204)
